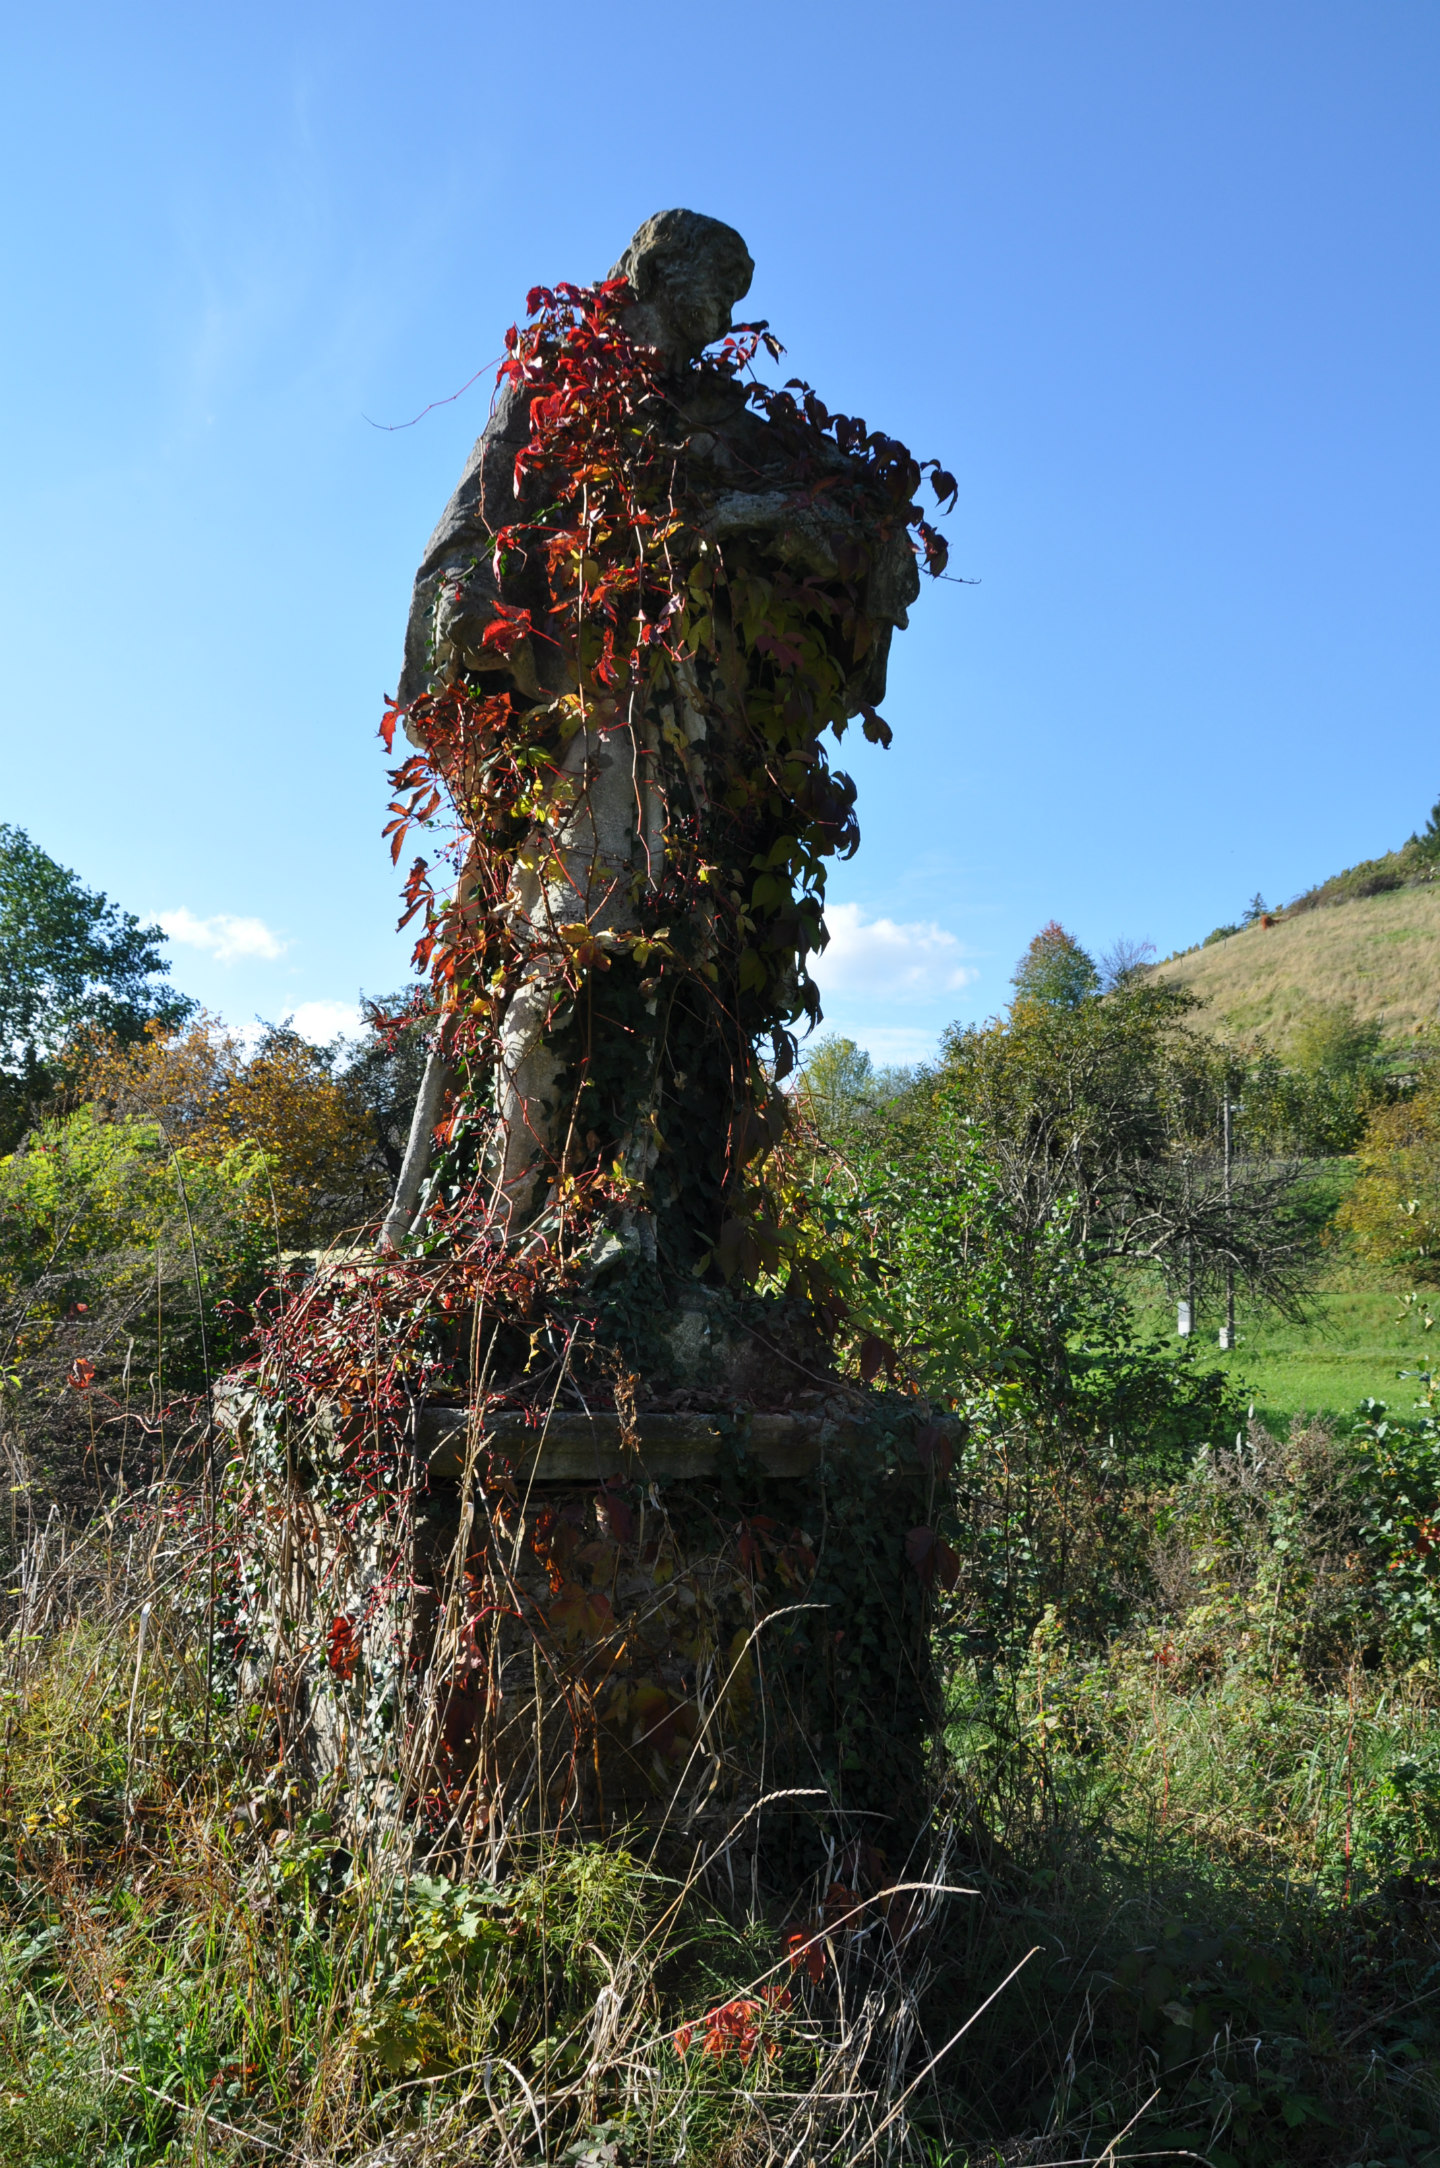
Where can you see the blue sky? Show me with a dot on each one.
(1158, 282)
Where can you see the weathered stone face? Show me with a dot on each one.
(688, 272)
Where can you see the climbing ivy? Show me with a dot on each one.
(617, 608)
(613, 605)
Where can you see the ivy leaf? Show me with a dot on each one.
(876, 729)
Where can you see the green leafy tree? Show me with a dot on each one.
(1393, 1211)
(73, 961)
(1316, 1103)
(1335, 1042)
(1055, 971)
(385, 1062)
(841, 1084)
(1002, 1305)
(1106, 1116)
(127, 1264)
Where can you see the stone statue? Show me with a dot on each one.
(655, 588)
(765, 507)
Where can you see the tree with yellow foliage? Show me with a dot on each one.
(1393, 1211)
(141, 1218)
(321, 1170)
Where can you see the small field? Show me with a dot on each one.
(1354, 1346)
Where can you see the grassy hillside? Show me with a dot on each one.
(1379, 954)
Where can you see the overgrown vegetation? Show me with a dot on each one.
(165, 1178)
(1191, 1764)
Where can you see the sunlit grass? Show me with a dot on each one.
(1353, 1345)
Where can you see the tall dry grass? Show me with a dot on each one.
(1378, 955)
(199, 1961)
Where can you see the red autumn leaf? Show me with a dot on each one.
(770, 643)
(934, 1449)
(657, 1722)
(840, 1902)
(82, 1374)
(804, 1947)
(507, 630)
(616, 1516)
(753, 1533)
(735, 2025)
(343, 1647)
(932, 1558)
(580, 1614)
(936, 548)
(873, 1352)
(796, 1562)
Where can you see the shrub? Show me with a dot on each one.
(1393, 1209)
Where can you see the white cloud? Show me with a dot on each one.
(887, 959)
(318, 1021)
(322, 1021)
(225, 936)
(897, 1045)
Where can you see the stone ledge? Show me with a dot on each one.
(588, 1448)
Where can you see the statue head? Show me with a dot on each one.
(687, 273)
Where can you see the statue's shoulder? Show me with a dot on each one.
(484, 497)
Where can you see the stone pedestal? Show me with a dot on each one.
(702, 1629)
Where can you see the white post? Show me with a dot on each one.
(1227, 1330)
